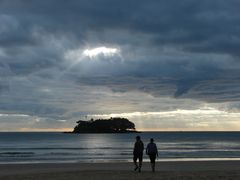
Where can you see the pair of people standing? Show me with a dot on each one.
(151, 151)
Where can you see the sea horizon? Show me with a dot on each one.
(70, 132)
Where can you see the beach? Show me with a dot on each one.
(93, 171)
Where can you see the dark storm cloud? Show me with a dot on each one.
(181, 49)
(192, 25)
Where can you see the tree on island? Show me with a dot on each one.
(112, 125)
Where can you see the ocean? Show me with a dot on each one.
(42, 147)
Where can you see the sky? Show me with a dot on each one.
(165, 65)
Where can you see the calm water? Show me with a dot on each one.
(59, 147)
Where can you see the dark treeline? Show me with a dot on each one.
(112, 125)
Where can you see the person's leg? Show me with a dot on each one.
(135, 162)
(153, 167)
(140, 163)
(152, 159)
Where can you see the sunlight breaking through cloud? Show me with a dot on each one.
(14, 115)
(204, 111)
(100, 50)
(198, 119)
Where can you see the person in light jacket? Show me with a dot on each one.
(152, 152)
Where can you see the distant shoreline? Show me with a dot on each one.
(120, 133)
(69, 132)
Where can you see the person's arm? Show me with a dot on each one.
(142, 147)
(147, 150)
(156, 150)
(134, 148)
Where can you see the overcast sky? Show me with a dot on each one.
(164, 64)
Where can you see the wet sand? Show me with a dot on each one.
(92, 171)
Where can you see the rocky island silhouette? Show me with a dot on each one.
(112, 125)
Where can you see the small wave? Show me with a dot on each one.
(69, 148)
(61, 153)
(125, 154)
(16, 153)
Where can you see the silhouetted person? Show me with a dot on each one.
(138, 153)
(152, 152)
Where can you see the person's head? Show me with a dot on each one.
(151, 140)
(138, 138)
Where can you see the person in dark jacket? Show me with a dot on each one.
(138, 153)
(152, 152)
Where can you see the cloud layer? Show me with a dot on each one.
(184, 51)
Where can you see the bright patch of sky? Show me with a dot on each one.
(177, 120)
(78, 55)
(100, 51)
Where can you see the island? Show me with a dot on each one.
(112, 125)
